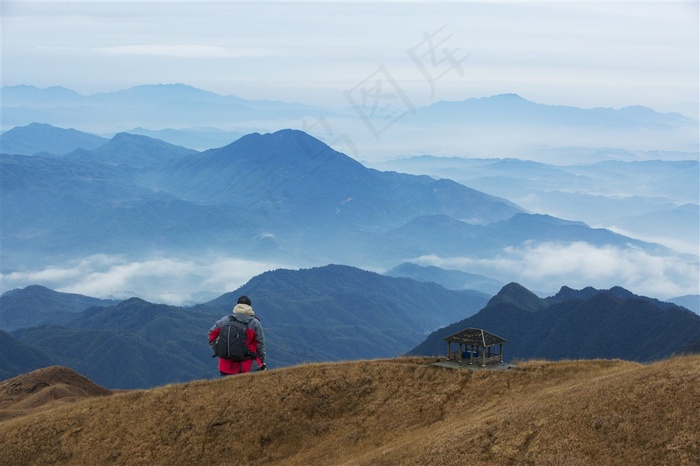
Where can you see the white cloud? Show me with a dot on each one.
(548, 266)
(541, 267)
(161, 280)
(683, 243)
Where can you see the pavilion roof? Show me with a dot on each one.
(475, 336)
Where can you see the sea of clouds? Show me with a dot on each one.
(540, 267)
(545, 267)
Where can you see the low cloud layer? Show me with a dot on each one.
(541, 267)
(545, 267)
(160, 280)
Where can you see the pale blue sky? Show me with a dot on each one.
(583, 54)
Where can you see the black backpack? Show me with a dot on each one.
(231, 342)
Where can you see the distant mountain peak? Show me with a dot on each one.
(169, 88)
(518, 296)
(141, 142)
(513, 109)
(34, 89)
(614, 294)
(28, 290)
(133, 301)
(166, 85)
(620, 292)
(288, 134)
(567, 293)
(507, 96)
(133, 150)
(124, 136)
(42, 137)
(289, 143)
(36, 125)
(279, 135)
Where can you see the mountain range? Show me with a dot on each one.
(499, 125)
(579, 324)
(633, 192)
(128, 214)
(332, 313)
(300, 196)
(284, 197)
(156, 107)
(653, 198)
(513, 109)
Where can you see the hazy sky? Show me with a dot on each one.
(586, 54)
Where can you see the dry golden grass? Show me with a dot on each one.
(384, 412)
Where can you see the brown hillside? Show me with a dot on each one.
(386, 412)
(44, 389)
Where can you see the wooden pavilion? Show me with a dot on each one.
(479, 344)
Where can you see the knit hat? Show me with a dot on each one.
(243, 300)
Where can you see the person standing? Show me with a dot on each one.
(255, 339)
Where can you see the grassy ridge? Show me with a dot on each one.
(382, 412)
